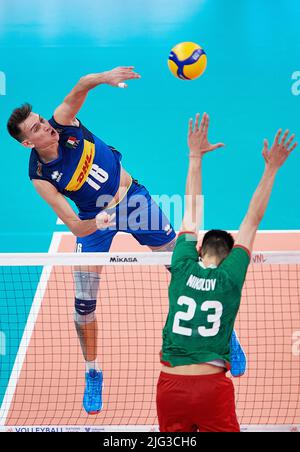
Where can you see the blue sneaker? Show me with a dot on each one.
(237, 357)
(92, 400)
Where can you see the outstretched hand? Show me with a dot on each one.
(198, 137)
(117, 77)
(280, 150)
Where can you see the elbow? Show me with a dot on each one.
(84, 83)
(83, 229)
(78, 232)
(257, 218)
(78, 235)
(82, 80)
(81, 87)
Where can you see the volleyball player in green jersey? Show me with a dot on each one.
(193, 392)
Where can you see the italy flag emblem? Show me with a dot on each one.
(72, 142)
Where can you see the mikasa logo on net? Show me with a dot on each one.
(120, 260)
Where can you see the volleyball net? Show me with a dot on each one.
(41, 364)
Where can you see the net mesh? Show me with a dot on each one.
(42, 368)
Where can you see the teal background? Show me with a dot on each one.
(253, 50)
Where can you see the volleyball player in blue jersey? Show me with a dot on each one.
(68, 161)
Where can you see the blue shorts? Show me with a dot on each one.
(138, 215)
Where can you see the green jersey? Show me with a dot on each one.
(203, 305)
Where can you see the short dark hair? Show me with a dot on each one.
(18, 116)
(217, 243)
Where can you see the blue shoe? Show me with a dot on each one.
(92, 400)
(237, 357)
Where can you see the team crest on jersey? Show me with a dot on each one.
(72, 143)
(57, 176)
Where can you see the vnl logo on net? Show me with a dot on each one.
(2, 84)
(296, 84)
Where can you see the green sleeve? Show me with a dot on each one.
(185, 251)
(236, 265)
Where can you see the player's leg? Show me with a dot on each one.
(217, 404)
(86, 288)
(87, 284)
(173, 404)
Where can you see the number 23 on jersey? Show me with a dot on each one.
(214, 319)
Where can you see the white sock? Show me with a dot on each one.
(92, 365)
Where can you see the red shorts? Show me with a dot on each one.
(204, 403)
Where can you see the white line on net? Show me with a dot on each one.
(149, 258)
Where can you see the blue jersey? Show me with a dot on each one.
(85, 169)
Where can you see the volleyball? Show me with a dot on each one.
(187, 61)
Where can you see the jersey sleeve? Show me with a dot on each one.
(236, 265)
(185, 251)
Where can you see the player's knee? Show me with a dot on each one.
(85, 307)
(86, 290)
(86, 285)
(168, 247)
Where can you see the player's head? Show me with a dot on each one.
(31, 129)
(216, 244)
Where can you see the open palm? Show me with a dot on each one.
(198, 136)
(120, 74)
(277, 154)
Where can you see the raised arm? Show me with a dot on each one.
(80, 228)
(198, 146)
(66, 113)
(274, 157)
